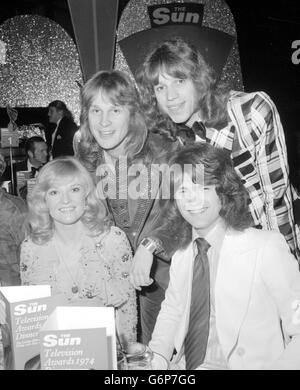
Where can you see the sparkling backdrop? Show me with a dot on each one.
(41, 64)
(217, 15)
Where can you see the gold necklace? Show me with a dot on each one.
(74, 288)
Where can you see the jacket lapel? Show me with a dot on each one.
(183, 262)
(233, 287)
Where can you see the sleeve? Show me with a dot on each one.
(11, 236)
(279, 271)
(270, 188)
(170, 315)
(156, 227)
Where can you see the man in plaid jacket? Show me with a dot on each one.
(178, 87)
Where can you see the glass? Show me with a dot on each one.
(121, 360)
(138, 356)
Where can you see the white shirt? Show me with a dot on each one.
(54, 132)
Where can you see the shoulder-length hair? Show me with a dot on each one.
(40, 222)
(120, 90)
(219, 171)
(178, 59)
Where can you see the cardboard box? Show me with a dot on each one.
(22, 178)
(9, 138)
(79, 338)
(27, 308)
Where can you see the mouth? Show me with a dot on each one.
(106, 134)
(66, 209)
(174, 108)
(197, 211)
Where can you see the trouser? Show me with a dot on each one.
(150, 300)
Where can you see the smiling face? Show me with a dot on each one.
(109, 123)
(176, 97)
(198, 204)
(66, 201)
(40, 155)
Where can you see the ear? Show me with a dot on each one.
(30, 154)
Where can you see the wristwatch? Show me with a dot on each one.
(150, 244)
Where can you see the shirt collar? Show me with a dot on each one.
(29, 165)
(194, 118)
(215, 236)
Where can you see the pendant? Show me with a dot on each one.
(75, 289)
(89, 294)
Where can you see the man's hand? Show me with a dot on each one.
(141, 267)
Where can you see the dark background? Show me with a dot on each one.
(265, 31)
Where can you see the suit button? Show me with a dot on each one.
(134, 234)
(240, 351)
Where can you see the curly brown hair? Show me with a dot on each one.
(218, 171)
(178, 59)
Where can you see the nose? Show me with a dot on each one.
(65, 197)
(191, 197)
(172, 92)
(105, 120)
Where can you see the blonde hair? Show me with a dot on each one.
(119, 89)
(40, 222)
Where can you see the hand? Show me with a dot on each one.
(115, 301)
(141, 267)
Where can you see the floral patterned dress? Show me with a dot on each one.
(102, 275)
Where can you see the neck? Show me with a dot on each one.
(69, 234)
(116, 152)
(203, 232)
(194, 118)
(35, 163)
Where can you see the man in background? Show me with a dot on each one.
(37, 155)
(61, 141)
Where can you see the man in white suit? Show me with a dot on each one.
(254, 281)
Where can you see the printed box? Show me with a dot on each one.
(26, 310)
(9, 138)
(22, 178)
(79, 338)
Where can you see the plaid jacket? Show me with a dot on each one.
(256, 141)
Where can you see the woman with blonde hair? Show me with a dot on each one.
(72, 246)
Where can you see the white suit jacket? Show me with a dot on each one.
(257, 298)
